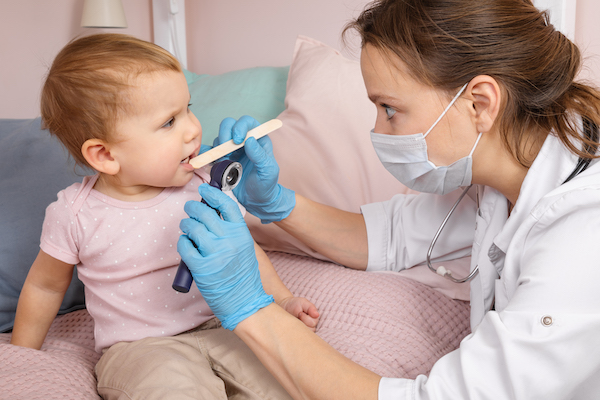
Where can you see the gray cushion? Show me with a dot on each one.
(34, 167)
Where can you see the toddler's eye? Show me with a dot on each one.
(169, 123)
(389, 111)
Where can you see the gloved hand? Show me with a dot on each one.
(258, 189)
(204, 148)
(220, 255)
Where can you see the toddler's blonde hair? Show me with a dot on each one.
(85, 90)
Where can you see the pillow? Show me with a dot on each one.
(323, 149)
(34, 167)
(254, 91)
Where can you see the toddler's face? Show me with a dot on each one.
(155, 141)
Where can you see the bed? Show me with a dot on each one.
(394, 323)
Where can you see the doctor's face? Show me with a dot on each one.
(406, 106)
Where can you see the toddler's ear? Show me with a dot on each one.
(97, 154)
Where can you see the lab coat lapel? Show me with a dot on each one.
(549, 170)
(491, 217)
(494, 231)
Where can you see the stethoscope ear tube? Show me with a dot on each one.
(590, 131)
(441, 270)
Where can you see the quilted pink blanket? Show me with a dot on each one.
(388, 323)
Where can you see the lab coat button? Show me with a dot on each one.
(547, 320)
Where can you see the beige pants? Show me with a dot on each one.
(207, 363)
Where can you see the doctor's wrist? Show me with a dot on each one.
(279, 209)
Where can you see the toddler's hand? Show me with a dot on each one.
(302, 309)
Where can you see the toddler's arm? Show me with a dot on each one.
(299, 307)
(40, 300)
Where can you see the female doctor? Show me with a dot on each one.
(477, 93)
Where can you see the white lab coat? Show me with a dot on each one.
(539, 269)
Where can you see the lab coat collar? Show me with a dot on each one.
(549, 170)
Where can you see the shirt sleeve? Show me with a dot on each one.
(395, 389)
(59, 232)
(400, 230)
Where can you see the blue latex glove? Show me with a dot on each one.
(204, 148)
(258, 189)
(220, 255)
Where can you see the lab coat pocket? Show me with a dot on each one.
(555, 354)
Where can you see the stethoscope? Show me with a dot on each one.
(591, 132)
(441, 270)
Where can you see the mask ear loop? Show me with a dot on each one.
(447, 108)
(476, 143)
(441, 270)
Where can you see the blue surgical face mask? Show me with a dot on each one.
(405, 157)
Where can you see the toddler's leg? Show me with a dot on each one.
(157, 368)
(244, 375)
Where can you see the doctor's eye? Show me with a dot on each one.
(389, 111)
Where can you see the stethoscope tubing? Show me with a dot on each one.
(591, 132)
(442, 271)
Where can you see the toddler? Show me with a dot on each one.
(120, 106)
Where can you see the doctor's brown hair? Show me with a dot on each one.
(446, 43)
(85, 91)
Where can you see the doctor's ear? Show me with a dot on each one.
(97, 153)
(486, 95)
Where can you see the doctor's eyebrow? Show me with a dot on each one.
(379, 98)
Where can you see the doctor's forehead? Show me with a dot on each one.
(386, 78)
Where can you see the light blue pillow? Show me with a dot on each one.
(258, 92)
(34, 167)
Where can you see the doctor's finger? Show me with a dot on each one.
(204, 148)
(266, 143)
(225, 134)
(199, 235)
(188, 251)
(259, 155)
(220, 201)
(241, 128)
(203, 214)
(263, 158)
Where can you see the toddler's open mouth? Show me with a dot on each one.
(188, 158)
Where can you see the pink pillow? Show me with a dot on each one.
(324, 149)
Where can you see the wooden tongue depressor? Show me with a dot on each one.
(223, 149)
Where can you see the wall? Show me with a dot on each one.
(32, 32)
(226, 38)
(587, 37)
(223, 35)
